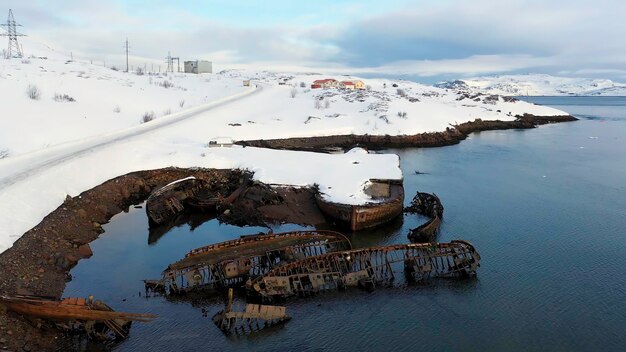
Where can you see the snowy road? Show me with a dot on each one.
(19, 169)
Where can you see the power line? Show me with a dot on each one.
(15, 50)
(170, 62)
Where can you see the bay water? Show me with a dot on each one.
(546, 209)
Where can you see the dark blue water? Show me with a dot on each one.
(546, 208)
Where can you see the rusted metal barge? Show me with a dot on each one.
(86, 315)
(232, 262)
(368, 267)
(390, 194)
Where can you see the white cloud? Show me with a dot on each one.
(426, 38)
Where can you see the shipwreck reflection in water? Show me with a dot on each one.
(191, 219)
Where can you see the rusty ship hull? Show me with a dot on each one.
(360, 217)
(369, 267)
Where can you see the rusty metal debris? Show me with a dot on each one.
(368, 267)
(94, 318)
(429, 205)
(254, 318)
(233, 262)
(359, 217)
(167, 202)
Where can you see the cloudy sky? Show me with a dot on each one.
(425, 40)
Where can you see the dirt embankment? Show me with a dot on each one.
(40, 261)
(423, 140)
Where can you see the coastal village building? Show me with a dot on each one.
(325, 83)
(333, 83)
(358, 84)
(348, 85)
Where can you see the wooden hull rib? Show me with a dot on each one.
(94, 318)
(57, 310)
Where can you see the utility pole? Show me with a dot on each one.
(15, 50)
(170, 62)
(126, 45)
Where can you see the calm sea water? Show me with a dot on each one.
(546, 208)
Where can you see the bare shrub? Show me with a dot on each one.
(147, 116)
(114, 68)
(302, 84)
(4, 153)
(117, 109)
(384, 118)
(33, 92)
(181, 103)
(63, 97)
(166, 84)
(401, 92)
(139, 71)
(25, 61)
(167, 111)
(293, 92)
(326, 104)
(368, 88)
(402, 114)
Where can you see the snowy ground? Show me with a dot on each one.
(50, 149)
(104, 100)
(540, 85)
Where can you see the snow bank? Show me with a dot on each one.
(341, 177)
(104, 100)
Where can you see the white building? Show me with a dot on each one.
(198, 66)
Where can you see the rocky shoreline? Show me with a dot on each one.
(40, 261)
(452, 135)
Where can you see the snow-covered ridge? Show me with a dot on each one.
(538, 85)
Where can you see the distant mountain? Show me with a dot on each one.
(537, 84)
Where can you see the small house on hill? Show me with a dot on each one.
(353, 84)
(348, 84)
(325, 83)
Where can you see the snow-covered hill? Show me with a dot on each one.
(76, 99)
(86, 126)
(537, 85)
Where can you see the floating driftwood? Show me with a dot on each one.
(254, 318)
(92, 317)
(359, 217)
(233, 262)
(369, 267)
(167, 202)
(429, 205)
